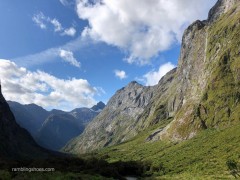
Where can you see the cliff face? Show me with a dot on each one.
(203, 92)
(116, 122)
(221, 7)
(209, 73)
(16, 142)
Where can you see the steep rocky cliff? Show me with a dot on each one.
(203, 92)
(115, 123)
(212, 100)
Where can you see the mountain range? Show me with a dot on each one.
(185, 127)
(16, 142)
(203, 92)
(53, 129)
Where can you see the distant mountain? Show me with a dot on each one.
(16, 142)
(203, 92)
(53, 129)
(57, 130)
(84, 115)
(30, 117)
(99, 106)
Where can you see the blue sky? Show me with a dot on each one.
(66, 54)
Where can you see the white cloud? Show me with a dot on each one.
(70, 31)
(57, 25)
(153, 77)
(120, 74)
(39, 19)
(24, 86)
(52, 54)
(43, 22)
(68, 57)
(66, 2)
(142, 27)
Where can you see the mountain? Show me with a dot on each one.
(115, 123)
(53, 129)
(99, 106)
(30, 117)
(60, 127)
(16, 142)
(57, 130)
(203, 92)
(85, 115)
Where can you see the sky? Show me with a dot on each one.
(66, 54)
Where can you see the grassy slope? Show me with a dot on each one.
(204, 156)
(220, 106)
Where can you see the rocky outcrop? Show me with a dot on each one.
(203, 92)
(221, 7)
(99, 106)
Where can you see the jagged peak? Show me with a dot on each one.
(221, 7)
(99, 106)
(133, 83)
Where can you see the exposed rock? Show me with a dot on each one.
(221, 7)
(202, 92)
(99, 106)
(115, 123)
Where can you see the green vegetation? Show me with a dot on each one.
(214, 153)
(207, 156)
(220, 105)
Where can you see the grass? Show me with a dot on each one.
(203, 157)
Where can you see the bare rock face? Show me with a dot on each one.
(204, 48)
(115, 123)
(203, 92)
(221, 7)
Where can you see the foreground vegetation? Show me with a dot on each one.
(213, 154)
(70, 168)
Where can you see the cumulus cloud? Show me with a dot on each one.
(153, 77)
(24, 86)
(120, 74)
(143, 28)
(44, 21)
(68, 57)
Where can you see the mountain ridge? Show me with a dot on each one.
(53, 129)
(179, 95)
(16, 142)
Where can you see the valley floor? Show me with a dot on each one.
(213, 154)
